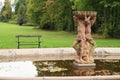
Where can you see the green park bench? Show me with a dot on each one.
(29, 41)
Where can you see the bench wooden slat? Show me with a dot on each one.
(28, 44)
(28, 36)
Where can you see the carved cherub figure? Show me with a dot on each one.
(84, 43)
(90, 20)
(81, 32)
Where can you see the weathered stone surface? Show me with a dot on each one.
(42, 54)
(111, 77)
(36, 54)
(107, 53)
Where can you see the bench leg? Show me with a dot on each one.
(38, 44)
(18, 42)
(18, 45)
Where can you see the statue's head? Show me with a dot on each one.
(87, 20)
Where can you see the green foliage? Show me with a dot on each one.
(21, 14)
(0, 17)
(82, 5)
(6, 11)
(51, 14)
(110, 17)
(35, 10)
(18, 3)
(20, 10)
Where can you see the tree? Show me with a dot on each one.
(20, 10)
(35, 10)
(51, 14)
(18, 3)
(6, 11)
(21, 14)
(110, 26)
(60, 14)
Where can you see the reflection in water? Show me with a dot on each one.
(109, 67)
(59, 68)
(84, 71)
(66, 68)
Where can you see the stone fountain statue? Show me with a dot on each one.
(84, 43)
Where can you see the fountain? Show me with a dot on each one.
(84, 44)
(49, 63)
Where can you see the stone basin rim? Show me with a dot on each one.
(111, 77)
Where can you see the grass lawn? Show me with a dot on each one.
(48, 39)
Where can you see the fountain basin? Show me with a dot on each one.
(107, 64)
